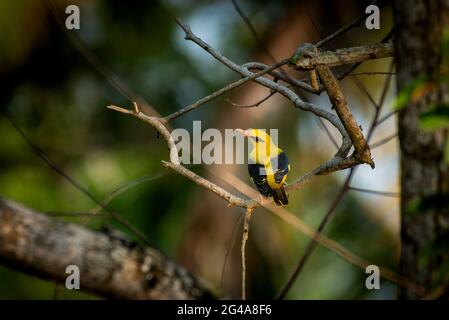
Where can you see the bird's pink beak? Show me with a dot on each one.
(246, 133)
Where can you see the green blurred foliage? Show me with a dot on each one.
(435, 118)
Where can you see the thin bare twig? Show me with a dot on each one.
(328, 133)
(371, 73)
(375, 122)
(253, 105)
(384, 141)
(253, 31)
(70, 214)
(355, 23)
(123, 188)
(387, 116)
(223, 90)
(228, 252)
(230, 198)
(364, 90)
(281, 76)
(245, 235)
(114, 80)
(381, 193)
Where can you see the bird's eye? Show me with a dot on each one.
(257, 139)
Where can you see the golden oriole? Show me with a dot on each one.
(268, 165)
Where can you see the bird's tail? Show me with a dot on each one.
(280, 197)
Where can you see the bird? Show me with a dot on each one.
(268, 165)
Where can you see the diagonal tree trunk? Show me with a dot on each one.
(113, 268)
(420, 26)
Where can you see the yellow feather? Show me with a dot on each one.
(263, 150)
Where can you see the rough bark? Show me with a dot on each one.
(340, 104)
(425, 174)
(110, 267)
(345, 56)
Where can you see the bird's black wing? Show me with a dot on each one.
(259, 177)
(281, 167)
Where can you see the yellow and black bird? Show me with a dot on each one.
(268, 165)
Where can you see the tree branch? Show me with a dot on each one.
(306, 55)
(252, 105)
(223, 90)
(311, 245)
(281, 76)
(384, 140)
(110, 267)
(286, 92)
(381, 193)
(339, 161)
(245, 235)
(342, 56)
(340, 104)
(230, 198)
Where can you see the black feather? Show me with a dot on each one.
(280, 197)
(259, 177)
(281, 166)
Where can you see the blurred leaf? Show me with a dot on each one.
(413, 92)
(441, 243)
(437, 246)
(446, 151)
(441, 274)
(445, 47)
(434, 119)
(424, 204)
